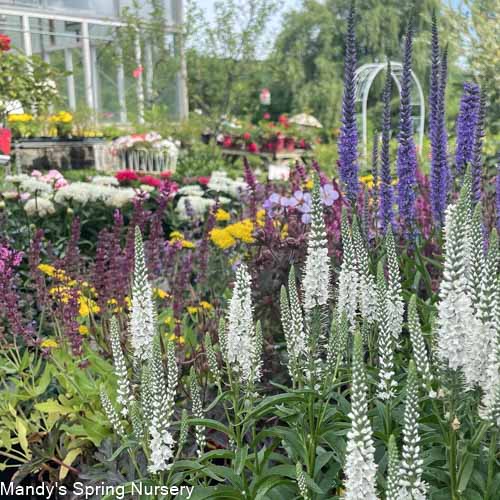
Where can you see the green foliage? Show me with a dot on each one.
(29, 80)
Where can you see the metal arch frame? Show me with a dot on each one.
(364, 77)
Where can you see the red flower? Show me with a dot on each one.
(203, 180)
(267, 116)
(253, 148)
(283, 119)
(228, 142)
(247, 136)
(137, 71)
(126, 176)
(166, 175)
(5, 141)
(4, 43)
(149, 180)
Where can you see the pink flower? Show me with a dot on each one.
(246, 136)
(203, 180)
(150, 181)
(228, 142)
(267, 116)
(138, 71)
(36, 173)
(166, 174)
(126, 176)
(253, 148)
(25, 196)
(60, 183)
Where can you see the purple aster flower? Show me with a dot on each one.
(348, 139)
(466, 126)
(407, 154)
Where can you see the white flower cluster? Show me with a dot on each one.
(39, 206)
(193, 206)
(142, 315)
(293, 327)
(317, 273)
(387, 384)
(468, 327)
(348, 287)
(360, 467)
(162, 406)
(87, 192)
(241, 340)
(157, 395)
(105, 180)
(222, 183)
(411, 486)
(367, 287)
(420, 352)
(123, 392)
(197, 410)
(395, 302)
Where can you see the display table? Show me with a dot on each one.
(45, 153)
(268, 157)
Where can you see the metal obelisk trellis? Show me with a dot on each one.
(364, 77)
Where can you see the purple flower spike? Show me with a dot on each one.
(477, 157)
(407, 154)
(348, 139)
(466, 126)
(385, 212)
(437, 125)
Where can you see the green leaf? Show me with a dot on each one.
(52, 406)
(68, 460)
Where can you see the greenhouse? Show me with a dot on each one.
(81, 38)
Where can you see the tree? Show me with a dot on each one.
(476, 27)
(308, 54)
(225, 55)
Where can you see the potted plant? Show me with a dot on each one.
(63, 122)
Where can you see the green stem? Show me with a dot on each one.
(491, 463)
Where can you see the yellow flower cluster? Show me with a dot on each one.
(161, 294)
(222, 216)
(230, 235)
(309, 184)
(203, 306)
(20, 118)
(61, 117)
(49, 344)
(62, 292)
(180, 339)
(176, 236)
(367, 180)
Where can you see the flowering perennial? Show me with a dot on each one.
(123, 392)
(360, 468)
(386, 213)
(411, 486)
(348, 140)
(142, 315)
(385, 343)
(407, 155)
(316, 281)
(241, 340)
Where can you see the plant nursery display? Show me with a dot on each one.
(204, 332)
